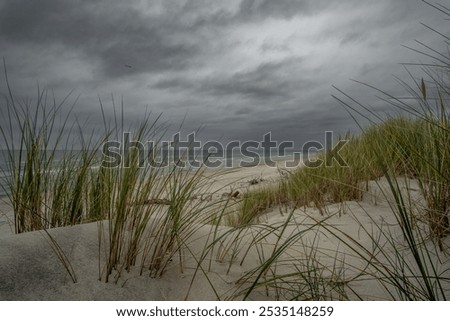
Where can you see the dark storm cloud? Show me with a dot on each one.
(118, 37)
(252, 11)
(286, 9)
(240, 67)
(244, 111)
(266, 81)
(352, 36)
(174, 83)
(297, 125)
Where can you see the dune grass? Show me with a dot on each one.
(46, 176)
(54, 177)
(409, 263)
(148, 214)
(412, 144)
(411, 147)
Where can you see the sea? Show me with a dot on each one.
(166, 161)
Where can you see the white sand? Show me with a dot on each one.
(30, 270)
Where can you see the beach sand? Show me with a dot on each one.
(30, 269)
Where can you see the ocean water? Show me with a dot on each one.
(6, 166)
(190, 162)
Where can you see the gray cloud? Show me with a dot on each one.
(267, 81)
(285, 8)
(244, 111)
(111, 34)
(240, 67)
(352, 37)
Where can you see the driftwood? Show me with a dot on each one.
(255, 181)
(155, 201)
(231, 195)
(158, 201)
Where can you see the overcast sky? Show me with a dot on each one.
(239, 67)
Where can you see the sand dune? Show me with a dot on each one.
(30, 270)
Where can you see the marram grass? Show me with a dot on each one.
(48, 190)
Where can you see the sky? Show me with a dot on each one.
(237, 68)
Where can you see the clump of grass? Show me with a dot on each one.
(154, 211)
(172, 231)
(54, 178)
(411, 145)
(402, 141)
(254, 204)
(316, 185)
(393, 149)
(45, 177)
